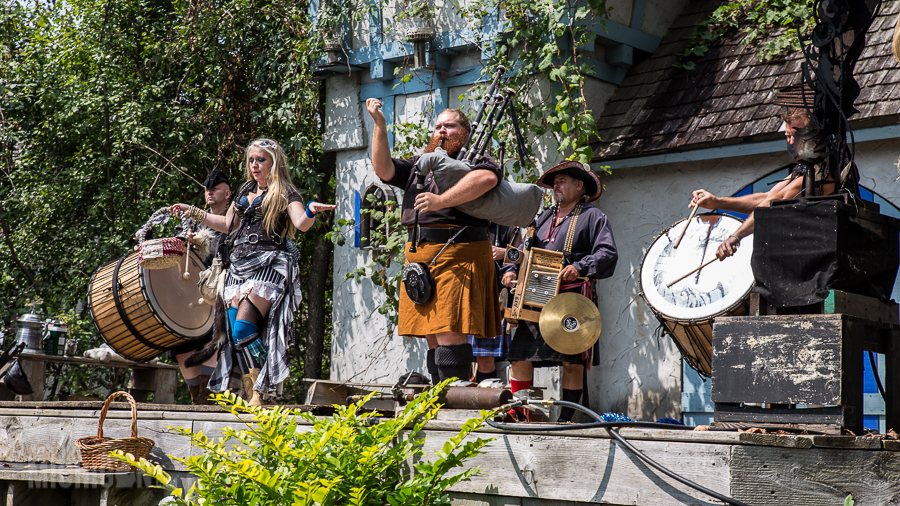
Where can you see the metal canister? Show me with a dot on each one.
(30, 330)
(49, 343)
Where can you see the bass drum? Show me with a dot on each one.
(142, 313)
(687, 308)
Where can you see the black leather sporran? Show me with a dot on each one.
(418, 282)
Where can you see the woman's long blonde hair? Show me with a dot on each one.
(279, 185)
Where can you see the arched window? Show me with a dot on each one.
(377, 200)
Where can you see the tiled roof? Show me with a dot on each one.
(727, 97)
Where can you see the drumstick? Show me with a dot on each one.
(187, 260)
(711, 260)
(686, 225)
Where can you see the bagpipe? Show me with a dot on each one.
(508, 203)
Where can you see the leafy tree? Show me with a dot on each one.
(112, 109)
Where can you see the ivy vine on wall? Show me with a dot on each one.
(776, 22)
(545, 39)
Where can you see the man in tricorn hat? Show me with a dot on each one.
(582, 232)
(196, 372)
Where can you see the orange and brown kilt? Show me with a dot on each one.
(465, 296)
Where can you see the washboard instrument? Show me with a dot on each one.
(570, 322)
(538, 282)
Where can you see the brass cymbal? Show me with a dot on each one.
(570, 323)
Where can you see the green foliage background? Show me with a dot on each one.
(110, 110)
(772, 21)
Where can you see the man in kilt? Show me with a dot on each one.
(453, 244)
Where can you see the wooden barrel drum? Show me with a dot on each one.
(688, 308)
(142, 313)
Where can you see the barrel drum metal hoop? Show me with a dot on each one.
(688, 308)
(142, 313)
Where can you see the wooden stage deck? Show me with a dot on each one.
(39, 462)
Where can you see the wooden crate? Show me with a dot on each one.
(800, 359)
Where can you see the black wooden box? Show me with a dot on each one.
(799, 359)
(804, 248)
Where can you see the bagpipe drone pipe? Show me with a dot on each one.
(508, 203)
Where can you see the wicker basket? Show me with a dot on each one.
(95, 449)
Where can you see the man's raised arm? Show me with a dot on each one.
(381, 149)
(744, 204)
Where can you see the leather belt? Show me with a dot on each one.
(256, 239)
(442, 235)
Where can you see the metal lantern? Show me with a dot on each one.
(420, 34)
(333, 48)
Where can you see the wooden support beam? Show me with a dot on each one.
(166, 384)
(867, 308)
(381, 70)
(847, 442)
(36, 371)
(800, 441)
(637, 14)
(437, 61)
(620, 56)
(835, 415)
(892, 382)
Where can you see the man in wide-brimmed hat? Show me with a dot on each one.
(592, 254)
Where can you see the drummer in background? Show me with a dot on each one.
(593, 255)
(198, 369)
(487, 350)
(806, 146)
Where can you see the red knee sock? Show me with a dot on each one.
(519, 413)
(516, 385)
